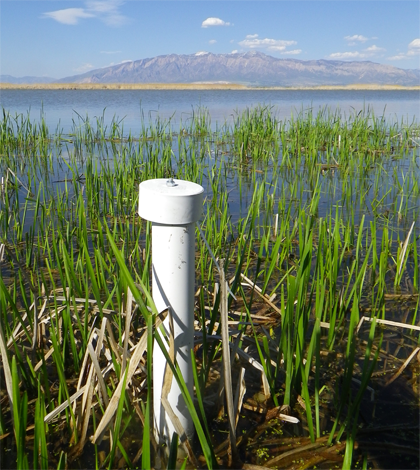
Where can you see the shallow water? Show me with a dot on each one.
(63, 105)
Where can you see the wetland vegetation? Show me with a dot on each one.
(309, 272)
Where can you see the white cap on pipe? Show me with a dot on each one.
(170, 201)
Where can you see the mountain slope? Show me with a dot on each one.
(21, 80)
(252, 68)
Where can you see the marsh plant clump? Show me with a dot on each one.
(308, 282)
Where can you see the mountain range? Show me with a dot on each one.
(250, 68)
(25, 80)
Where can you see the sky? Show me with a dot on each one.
(61, 38)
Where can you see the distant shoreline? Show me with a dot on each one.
(193, 86)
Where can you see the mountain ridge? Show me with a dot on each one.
(251, 68)
(26, 79)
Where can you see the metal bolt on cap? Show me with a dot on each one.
(170, 183)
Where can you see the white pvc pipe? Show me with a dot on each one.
(173, 207)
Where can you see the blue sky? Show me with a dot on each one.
(63, 38)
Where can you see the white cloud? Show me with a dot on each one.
(270, 44)
(69, 15)
(104, 6)
(214, 22)
(234, 52)
(277, 48)
(251, 36)
(399, 56)
(413, 49)
(415, 44)
(374, 49)
(355, 39)
(105, 10)
(84, 68)
(212, 41)
(369, 52)
(116, 63)
(294, 52)
(347, 55)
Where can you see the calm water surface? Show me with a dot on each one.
(62, 106)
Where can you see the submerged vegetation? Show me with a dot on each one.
(315, 224)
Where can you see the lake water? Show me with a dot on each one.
(62, 106)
